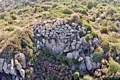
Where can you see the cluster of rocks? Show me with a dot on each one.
(13, 67)
(63, 37)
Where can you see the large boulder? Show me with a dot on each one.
(86, 45)
(88, 62)
(75, 54)
(22, 58)
(5, 68)
(18, 65)
(70, 55)
(95, 42)
(1, 64)
(83, 68)
(22, 73)
(12, 69)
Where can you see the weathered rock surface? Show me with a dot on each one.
(12, 68)
(22, 58)
(1, 64)
(69, 40)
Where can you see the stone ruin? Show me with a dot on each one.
(63, 37)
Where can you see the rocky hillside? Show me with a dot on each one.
(59, 39)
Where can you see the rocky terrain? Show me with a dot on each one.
(59, 39)
(13, 67)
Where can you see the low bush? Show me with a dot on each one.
(116, 16)
(79, 21)
(46, 7)
(40, 10)
(83, 11)
(105, 45)
(74, 17)
(114, 67)
(67, 11)
(115, 48)
(54, 5)
(88, 27)
(103, 29)
(77, 10)
(87, 77)
(14, 17)
(98, 55)
(90, 5)
(80, 10)
(76, 75)
(88, 37)
(114, 28)
(94, 34)
(82, 33)
(10, 28)
(2, 15)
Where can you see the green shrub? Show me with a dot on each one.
(87, 77)
(40, 10)
(90, 5)
(103, 29)
(10, 28)
(26, 8)
(84, 2)
(114, 28)
(94, 34)
(54, 5)
(46, 7)
(79, 21)
(13, 12)
(88, 37)
(116, 16)
(98, 55)
(103, 22)
(81, 33)
(13, 17)
(2, 15)
(76, 75)
(77, 10)
(88, 27)
(115, 48)
(75, 17)
(83, 11)
(7, 18)
(105, 45)
(114, 67)
(67, 11)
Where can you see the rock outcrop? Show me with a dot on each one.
(68, 39)
(13, 68)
